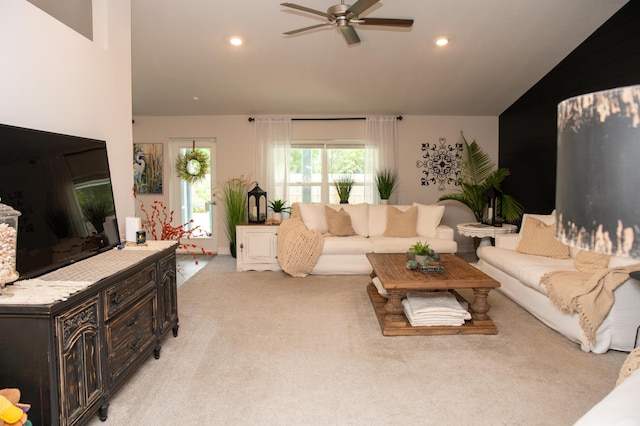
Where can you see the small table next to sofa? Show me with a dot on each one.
(484, 232)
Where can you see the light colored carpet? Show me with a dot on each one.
(262, 348)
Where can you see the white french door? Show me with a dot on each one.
(195, 201)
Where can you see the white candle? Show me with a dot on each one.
(133, 225)
(254, 212)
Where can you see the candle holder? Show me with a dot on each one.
(257, 205)
(141, 237)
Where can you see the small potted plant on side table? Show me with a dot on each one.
(278, 207)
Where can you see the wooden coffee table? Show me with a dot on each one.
(397, 280)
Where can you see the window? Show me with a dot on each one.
(314, 165)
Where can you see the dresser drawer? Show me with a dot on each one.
(130, 335)
(123, 293)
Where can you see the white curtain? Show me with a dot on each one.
(381, 147)
(272, 146)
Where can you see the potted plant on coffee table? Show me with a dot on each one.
(343, 185)
(423, 252)
(386, 182)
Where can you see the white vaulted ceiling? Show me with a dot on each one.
(498, 50)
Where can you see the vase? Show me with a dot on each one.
(344, 201)
(232, 249)
(421, 258)
(277, 216)
(384, 202)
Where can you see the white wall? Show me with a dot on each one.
(54, 79)
(234, 136)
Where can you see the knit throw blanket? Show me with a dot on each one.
(590, 295)
(298, 247)
(631, 364)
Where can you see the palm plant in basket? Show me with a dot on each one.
(478, 177)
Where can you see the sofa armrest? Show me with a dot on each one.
(507, 241)
(444, 232)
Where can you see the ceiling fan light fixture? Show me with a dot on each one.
(442, 41)
(342, 16)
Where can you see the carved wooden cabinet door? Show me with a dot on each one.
(79, 355)
(169, 295)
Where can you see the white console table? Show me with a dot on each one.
(257, 248)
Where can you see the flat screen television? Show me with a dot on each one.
(61, 185)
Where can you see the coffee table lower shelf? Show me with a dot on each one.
(404, 328)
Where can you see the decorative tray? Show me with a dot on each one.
(432, 268)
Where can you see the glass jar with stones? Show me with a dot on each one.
(8, 244)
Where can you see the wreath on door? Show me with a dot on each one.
(193, 165)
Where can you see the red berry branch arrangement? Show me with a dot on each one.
(158, 222)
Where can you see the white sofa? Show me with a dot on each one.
(519, 275)
(370, 223)
(620, 407)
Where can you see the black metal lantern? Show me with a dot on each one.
(257, 205)
(493, 199)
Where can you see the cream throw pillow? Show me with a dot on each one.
(339, 222)
(401, 224)
(429, 216)
(314, 216)
(537, 238)
(587, 261)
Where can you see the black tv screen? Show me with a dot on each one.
(61, 185)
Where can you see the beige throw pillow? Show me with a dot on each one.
(401, 224)
(586, 261)
(537, 238)
(339, 222)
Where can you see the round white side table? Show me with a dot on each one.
(485, 232)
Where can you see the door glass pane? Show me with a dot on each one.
(195, 200)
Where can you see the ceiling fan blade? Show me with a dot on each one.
(360, 6)
(349, 34)
(304, 9)
(387, 22)
(312, 27)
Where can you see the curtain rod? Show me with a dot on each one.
(399, 118)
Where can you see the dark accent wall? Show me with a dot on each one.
(609, 58)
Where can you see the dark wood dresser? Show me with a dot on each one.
(70, 338)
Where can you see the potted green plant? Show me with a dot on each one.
(343, 185)
(422, 252)
(234, 198)
(278, 207)
(477, 178)
(386, 182)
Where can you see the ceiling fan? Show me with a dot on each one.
(344, 15)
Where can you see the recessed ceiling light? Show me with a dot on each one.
(196, 99)
(442, 41)
(236, 41)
